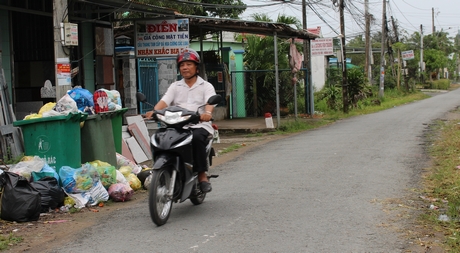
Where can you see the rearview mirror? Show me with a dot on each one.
(141, 97)
(214, 100)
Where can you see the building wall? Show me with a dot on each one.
(318, 72)
(87, 48)
(232, 61)
(128, 85)
(209, 45)
(5, 49)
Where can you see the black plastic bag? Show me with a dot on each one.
(144, 175)
(20, 201)
(52, 196)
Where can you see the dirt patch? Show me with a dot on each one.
(243, 142)
(56, 227)
(404, 214)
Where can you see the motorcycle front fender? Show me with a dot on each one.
(163, 160)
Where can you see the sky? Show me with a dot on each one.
(409, 14)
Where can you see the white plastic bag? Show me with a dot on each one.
(92, 197)
(123, 161)
(64, 106)
(121, 178)
(25, 168)
(98, 194)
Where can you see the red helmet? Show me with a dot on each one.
(188, 55)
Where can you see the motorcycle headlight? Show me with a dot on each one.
(172, 117)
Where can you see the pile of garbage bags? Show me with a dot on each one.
(31, 186)
(81, 100)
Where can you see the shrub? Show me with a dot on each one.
(441, 84)
(357, 88)
(332, 96)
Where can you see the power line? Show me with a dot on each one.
(415, 6)
(227, 6)
(321, 17)
(404, 15)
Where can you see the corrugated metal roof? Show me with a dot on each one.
(207, 24)
(200, 24)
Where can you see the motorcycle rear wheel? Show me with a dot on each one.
(159, 204)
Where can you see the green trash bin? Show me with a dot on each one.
(97, 140)
(55, 139)
(117, 123)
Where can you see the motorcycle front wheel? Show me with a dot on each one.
(160, 204)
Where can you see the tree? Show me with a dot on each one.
(259, 55)
(436, 49)
(398, 48)
(289, 20)
(412, 42)
(256, 57)
(434, 61)
(357, 43)
(452, 65)
(439, 41)
(207, 8)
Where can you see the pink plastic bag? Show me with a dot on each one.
(120, 192)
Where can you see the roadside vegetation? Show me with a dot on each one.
(7, 241)
(393, 98)
(233, 147)
(442, 184)
(362, 99)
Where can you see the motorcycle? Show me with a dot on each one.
(173, 178)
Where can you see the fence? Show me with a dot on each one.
(155, 76)
(247, 103)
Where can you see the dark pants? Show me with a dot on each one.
(200, 136)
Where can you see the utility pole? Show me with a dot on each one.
(395, 29)
(344, 59)
(433, 28)
(382, 54)
(367, 67)
(59, 8)
(309, 98)
(390, 49)
(295, 86)
(421, 53)
(305, 52)
(277, 80)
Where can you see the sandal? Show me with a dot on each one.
(205, 187)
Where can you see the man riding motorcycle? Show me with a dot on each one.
(191, 92)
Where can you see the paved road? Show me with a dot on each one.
(320, 191)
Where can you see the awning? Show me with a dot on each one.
(209, 24)
(201, 24)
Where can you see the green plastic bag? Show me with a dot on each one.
(107, 173)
